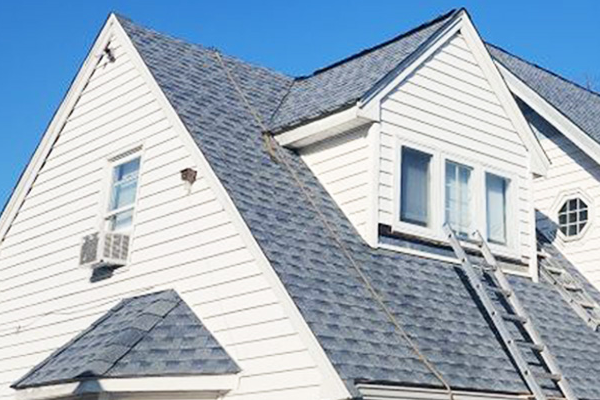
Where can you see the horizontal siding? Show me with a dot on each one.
(342, 165)
(185, 241)
(571, 170)
(448, 104)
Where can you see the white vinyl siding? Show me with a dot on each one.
(185, 241)
(448, 104)
(342, 166)
(572, 174)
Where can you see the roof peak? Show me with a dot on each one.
(368, 50)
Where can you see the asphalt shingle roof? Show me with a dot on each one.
(150, 335)
(430, 298)
(345, 82)
(580, 105)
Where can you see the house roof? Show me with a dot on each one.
(580, 105)
(429, 298)
(151, 335)
(345, 82)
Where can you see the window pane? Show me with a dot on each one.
(496, 208)
(121, 220)
(414, 202)
(124, 185)
(123, 194)
(458, 197)
(127, 170)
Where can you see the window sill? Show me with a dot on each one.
(438, 248)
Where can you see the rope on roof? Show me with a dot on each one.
(277, 154)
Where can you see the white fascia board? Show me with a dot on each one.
(55, 127)
(540, 163)
(333, 387)
(550, 113)
(322, 128)
(388, 392)
(369, 105)
(215, 385)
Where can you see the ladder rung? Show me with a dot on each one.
(548, 375)
(587, 305)
(514, 318)
(555, 271)
(572, 288)
(501, 291)
(532, 346)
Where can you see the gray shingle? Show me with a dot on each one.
(150, 335)
(345, 82)
(580, 105)
(428, 297)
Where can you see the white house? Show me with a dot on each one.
(196, 227)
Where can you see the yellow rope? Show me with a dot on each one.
(277, 153)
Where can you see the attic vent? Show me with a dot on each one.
(126, 154)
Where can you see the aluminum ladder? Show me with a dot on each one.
(516, 315)
(571, 290)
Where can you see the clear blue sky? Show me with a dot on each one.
(43, 43)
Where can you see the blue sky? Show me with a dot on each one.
(43, 43)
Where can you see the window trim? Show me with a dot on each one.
(561, 199)
(438, 198)
(113, 161)
(434, 191)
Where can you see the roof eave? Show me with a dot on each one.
(206, 385)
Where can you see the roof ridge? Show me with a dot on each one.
(533, 64)
(123, 18)
(380, 45)
(176, 302)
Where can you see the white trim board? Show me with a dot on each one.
(388, 392)
(555, 117)
(321, 129)
(55, 127)
(207, 386)
(369, 105)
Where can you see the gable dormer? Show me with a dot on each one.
(438, 138)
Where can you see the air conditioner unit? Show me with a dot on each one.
(104, 249)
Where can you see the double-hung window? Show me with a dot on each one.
(123, 193)
(415, 187)
(458, 199)
(495, 194)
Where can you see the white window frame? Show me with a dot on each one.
(510, 248)
(438, 198)
(434, 191)
(561, 199)
(112, 162)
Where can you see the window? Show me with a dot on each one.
(122, 195)
(572, 217)
(495, 194)
(458, 198)
(415, 187)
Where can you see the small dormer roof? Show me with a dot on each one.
(155, 334)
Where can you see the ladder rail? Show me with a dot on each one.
(520, 315)
(592, 321)
(495, 316)
(529, 326)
